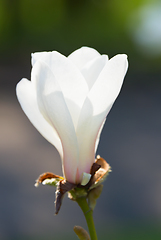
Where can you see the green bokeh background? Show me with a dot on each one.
(28, 26)
(65, 25)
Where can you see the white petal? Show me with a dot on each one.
(71, 81)
(108, 84)
(97, 105)
(99, 134)
(27, 97)
(82, 56)
(87, 131)
(39, 56)
(53, 107)
(92, 69)
(85, 178)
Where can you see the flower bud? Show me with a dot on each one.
(93, 195)
(81, 233)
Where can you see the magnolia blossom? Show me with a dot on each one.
(68, 99)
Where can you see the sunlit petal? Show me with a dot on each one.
(70, 79)
(27, 97)
(82, 56)
(93, 68)
(99, 134)
(95, 109)
(53, 107)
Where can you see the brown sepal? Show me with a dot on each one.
(95, 167)
(62, 187)
(47, 175)
(99, 171)
(99, 175)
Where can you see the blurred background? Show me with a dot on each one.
(130, 205)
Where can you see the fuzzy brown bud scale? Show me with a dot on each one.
(91, 190)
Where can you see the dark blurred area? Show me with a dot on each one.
(130, 205)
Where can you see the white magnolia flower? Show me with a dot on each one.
(68, 99)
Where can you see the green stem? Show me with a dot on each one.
(88, 213)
